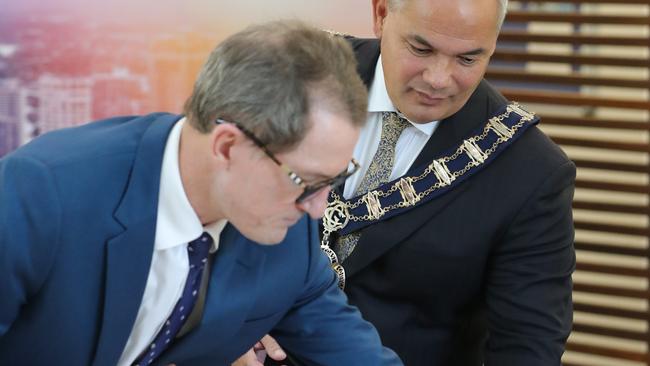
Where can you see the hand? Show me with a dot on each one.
(256, 355)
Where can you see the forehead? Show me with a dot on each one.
(458, 19)
(327, 147)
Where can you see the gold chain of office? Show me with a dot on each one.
(337, 214)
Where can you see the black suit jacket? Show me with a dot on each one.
(481, 274)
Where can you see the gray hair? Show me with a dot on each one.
(502, 4)
(267, 77)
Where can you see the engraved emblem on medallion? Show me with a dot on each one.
(336, 216)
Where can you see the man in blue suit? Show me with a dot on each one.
(144, 240)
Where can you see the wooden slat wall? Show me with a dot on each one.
(584, 67)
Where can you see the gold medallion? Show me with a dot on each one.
(336, 216)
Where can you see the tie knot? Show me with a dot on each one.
(198, 249)
(392, 126)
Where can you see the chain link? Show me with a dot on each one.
(428, 170)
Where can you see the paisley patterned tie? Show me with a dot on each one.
(378, 172)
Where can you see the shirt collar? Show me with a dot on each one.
(379, 101)
(177, 223)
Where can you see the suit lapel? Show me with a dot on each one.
(236, 273)
(128, 255)
(377, 239)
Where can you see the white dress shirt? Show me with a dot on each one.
(176, 225)
(409, 145)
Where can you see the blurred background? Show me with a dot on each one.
(67, 62)
(584, 66)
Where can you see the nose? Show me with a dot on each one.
(315, 205)
(437, 74)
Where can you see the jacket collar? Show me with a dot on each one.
(128, 255)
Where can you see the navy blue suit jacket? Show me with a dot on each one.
(77, 225)
(482, 274)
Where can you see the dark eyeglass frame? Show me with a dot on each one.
(308, 189)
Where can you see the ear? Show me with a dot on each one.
(224, 138)
(379, 13)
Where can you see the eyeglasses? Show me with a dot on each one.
(308, 189)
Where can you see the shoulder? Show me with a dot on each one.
(487, 95)
(366, 51)
(363, 44)
(30, 217)
(537, 151)
(111, 136)
(489, 101)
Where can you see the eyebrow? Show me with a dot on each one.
(424, 42)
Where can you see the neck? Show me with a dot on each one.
(197, 173)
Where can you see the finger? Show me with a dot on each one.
(273, 349)
(247, 359)
(261, 355)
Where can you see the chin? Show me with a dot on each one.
(269, 237)
(423, 114)
(437, 113)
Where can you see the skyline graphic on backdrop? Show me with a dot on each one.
(72, 62)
